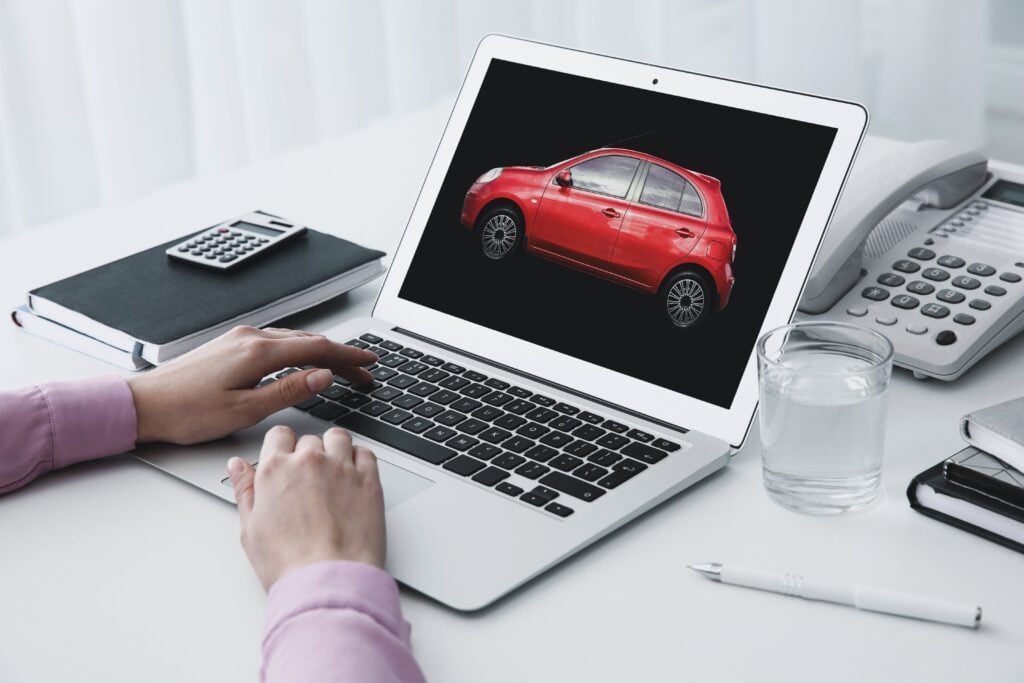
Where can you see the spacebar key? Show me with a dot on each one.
(571, 485)
(397, 438)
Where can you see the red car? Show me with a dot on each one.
(628, 217)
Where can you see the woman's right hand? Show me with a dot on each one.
(310, 499)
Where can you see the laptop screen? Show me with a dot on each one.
(638, 231)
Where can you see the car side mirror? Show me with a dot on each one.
(564, 178)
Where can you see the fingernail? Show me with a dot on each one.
(235, 466)
(318, 380)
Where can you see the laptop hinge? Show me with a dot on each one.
(541, 380)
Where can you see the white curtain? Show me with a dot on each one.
(102, 101)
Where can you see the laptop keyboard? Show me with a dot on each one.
(486, 429)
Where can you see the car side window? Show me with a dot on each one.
(667, 190)
(609, 175)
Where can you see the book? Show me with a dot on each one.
(153, 308)
(998, 430)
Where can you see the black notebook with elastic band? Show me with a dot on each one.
(155, 308)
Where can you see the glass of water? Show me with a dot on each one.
(824, 389)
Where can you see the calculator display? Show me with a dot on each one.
(252, 227)
(1005, 191)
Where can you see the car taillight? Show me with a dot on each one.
(733, 259)
(489, 176)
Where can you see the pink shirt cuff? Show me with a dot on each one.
(90, 418)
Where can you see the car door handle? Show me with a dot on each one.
(611, 213)
(684, 232)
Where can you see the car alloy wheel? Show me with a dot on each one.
(499, 236)
(685, 301)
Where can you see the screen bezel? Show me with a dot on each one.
(664, 405)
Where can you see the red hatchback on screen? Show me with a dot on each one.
(626, 216)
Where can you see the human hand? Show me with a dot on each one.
(211, 391)
(309, 500)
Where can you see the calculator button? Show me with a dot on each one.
(963, 319)
(921, 254)
(184, 248)
(210, 257)
(937, 274)
(263, 240)
(890, 280)
(916, 328)
(951, 261)
(235, 233)
(886, 319)
(964, 282)
(929, 241)
(905, 302)
(222, 230)
(950, 296)
(935, 310)
(858, 311)
(982, 269)
(875, 293)
(1009, 277)
(945, 337)
(905, 266)
(995, 290)
(920, 287)
(227, 259)
(980, 305)
(196, 252)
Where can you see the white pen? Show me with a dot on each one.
(861, 597)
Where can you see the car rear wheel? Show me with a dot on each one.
(687, 299)
(501, 232)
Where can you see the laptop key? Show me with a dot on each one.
(508, 489)
(510, 422)
(389, 345)
(544, 401)
(371, 338)
(666, 445)
(433, 374)
(465, 405)
(556, 439)
(605, 458)
(622, 472)
(643, 452)
(566, 462)
(334, 392)
(455, 383)
(496, 383)
(488, 413)
(541, 415)
(444, 397)
(474, 376)
(431, 360)
(590, 417)
(614, 426)
(396, 416)
(417, 425)
(588, 432)
(474, 390)
(423, 389)
(358, 344)
(532, 470)
(328, 411)
(393, 360)
(541, 453)
(497, 398)
(577, 488)
(508, 461)
(387, 393)
(383, 374)
(612, 441)
(462, 442)
(354, 400)
(404, 382)
(565, 424)
(450, 418)
(566, 408)
(472, 426)
(484, 451)
(533, 430)
(439, 433)
(558, 509)
(464, 465)
(519, 406)
(396, 438)
(590, 472)
(375, 408)
(453, 368)
(490, 476)
(519, 392)
(309, 403)
(639, 436)
(428, 409)
(533, 499)
(414, 367)
(495, 435)
(411, 353)
(517, 444)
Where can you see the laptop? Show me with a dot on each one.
(566, 334)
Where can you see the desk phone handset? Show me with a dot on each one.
(926, 247)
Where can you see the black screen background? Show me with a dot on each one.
(528, 116)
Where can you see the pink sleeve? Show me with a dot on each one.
(53, 425)
(336, 621)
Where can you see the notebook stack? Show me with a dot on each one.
(980, 488)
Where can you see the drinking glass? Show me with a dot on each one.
(824, 389)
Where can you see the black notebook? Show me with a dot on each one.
(155, 308)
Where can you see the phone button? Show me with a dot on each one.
(905, 302)
(875, 293)
(921, 254)
(905, 266)
(950, 296)
(980, 305)
(963, 319)
(995, 290)
(951, 261)
(890, 280)
(857, 311)
(945, 338)
(886, 320)
(982, 269)
(964, 282)
(937, 274)
(1009, 277)
(916, 329)
(935, 311)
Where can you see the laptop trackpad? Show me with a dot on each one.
(399, 485)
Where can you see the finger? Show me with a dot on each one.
(309, 442)
(243, 479)
(283, 332)
(338, 444)
(315, 350)
(366, 462)
(356, 376)
(289, 390)
(278, 439)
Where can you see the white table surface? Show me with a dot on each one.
(113, 571)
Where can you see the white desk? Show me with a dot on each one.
(113, 571)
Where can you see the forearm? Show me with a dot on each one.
(337, 621)
(53, 425)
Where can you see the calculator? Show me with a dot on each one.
(230, 244)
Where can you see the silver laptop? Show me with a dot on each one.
(567, 329)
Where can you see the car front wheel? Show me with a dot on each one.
(687, 299)
(501, 232)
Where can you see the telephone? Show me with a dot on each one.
(926, 247)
